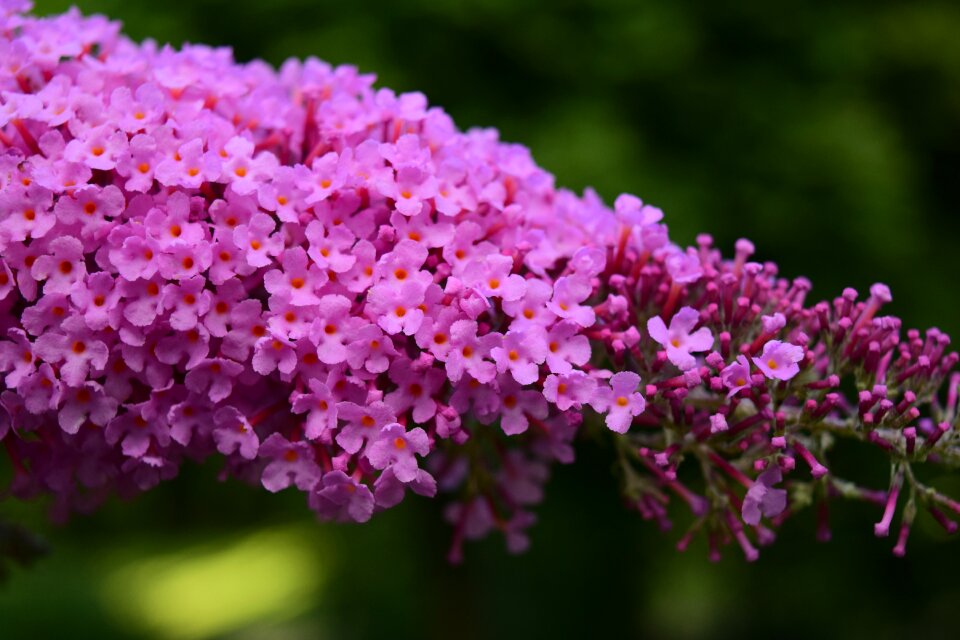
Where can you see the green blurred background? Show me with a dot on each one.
(828, 132)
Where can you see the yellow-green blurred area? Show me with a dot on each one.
(827, 132)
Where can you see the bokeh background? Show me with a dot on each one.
(828, 132)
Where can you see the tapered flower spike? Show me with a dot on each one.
(336, 291)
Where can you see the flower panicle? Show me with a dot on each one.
(750, 385)
(334, 290)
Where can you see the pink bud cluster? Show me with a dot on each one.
(331, 287)
(753, 400)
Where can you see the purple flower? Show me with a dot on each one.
(183, 349)
(138, 163)
(416, 390)
(321, 408)
(521, 353)
(469, 351)
(772, 324)
(192, 417)
(76, 348)
(138, 427)
(29, 212)
(188, 166)
(257, 241)
(363, 423)
(247, 326)
(492, 276)
(327, 175)
(170, 224)
(568, 390)
(273, 352)
(422, 229)
(187, 300)
(134, 112)
(678, 340)
(762, 499)
(621, 401)
(143, 302)
(298, 280)
(282, 195)
(227, 260)
(410, 189)
(518, 405)
(41, 391)
(233, 434)
(736, 375)
(98, 148)
(86, 403)
(434, 333)
(90, 207)
(371, 349)
(532, 307)
(684, 268)
(98, 298)
(214, 377)
(134, 254)
(183, 260)
(566, 348)
(396, 449)
(331, 328)
(339, 497)
(568, 293)
(17, 360)
(388, 490)
(62, 267)
(396, 307)
(241, 170)
(402, 265)
(290, 463)
(779, 360)
(331, 249)
(632, 211)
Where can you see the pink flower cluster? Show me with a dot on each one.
(320, 281)
(332, 287)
